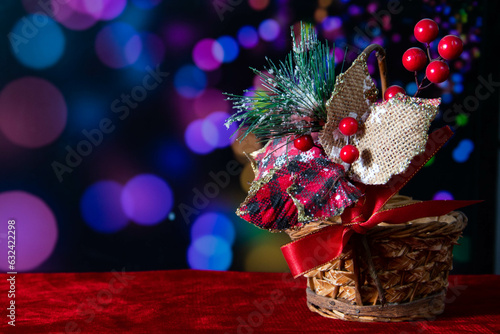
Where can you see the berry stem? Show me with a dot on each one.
(429, 52)
(420, 86)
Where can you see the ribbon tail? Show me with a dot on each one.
(316, 249)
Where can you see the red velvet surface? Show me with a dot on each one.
(187, 301)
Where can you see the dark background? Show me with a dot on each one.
(152, 139)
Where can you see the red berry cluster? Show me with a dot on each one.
(415, 59)
(348, 127)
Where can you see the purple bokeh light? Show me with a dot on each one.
(269, 30)
(442, 195)
(33, 112)
(147, 199)
(118, 45)
(208, 54)
(195, 135)
(77, 14)
(223, 136)
(111, 9)
(36, 230)
(101, 207)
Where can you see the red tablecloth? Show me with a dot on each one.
(186, 301)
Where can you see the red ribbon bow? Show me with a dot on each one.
(317, 249)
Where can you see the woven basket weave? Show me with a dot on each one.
(393, 273)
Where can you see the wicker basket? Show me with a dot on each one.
(393, 273)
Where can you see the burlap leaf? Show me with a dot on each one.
(353, 95)
(394, 133)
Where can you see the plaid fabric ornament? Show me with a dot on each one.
(292, 188)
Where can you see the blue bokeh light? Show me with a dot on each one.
(411, 88)
(37, 41)
(230, 47)
(463, 150)
(248, 37)
(447, 98)
(190, 81)
(173, 158)
(86, 110)
(210, 252)
(101, 208)
(269, 30)
(213, 223)
(146, 4)
(118, 45)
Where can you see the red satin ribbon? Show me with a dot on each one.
(317, 249)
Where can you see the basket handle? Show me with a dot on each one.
(382, 64)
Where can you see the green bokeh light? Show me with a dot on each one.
(430, 162)
(461, 252)
(461, 120)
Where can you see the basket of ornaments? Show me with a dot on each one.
(336, 155)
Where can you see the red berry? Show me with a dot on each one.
(414, 59)
(303, 143)
(348, 126)
(390, 92)
(437, 71)
(426, 30)
(349, 154)
(450, 47)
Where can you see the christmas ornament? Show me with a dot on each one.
(329, 173)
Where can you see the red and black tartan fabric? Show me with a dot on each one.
(294, 187)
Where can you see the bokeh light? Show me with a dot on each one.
(147, 199)
(153, 51)
(442, 195)
(101, 207)
(118, 45)
(190, 81)
(86, 110)
(111, 9)
(223, 135)
(246, 177)
(462, 251)
(209, 252)
(248, 37)
(331, 23)
(461, 120)
(230, 49)
(430, 162)
(146, 4)
(180, 34)
(269, 30)
(77, 14)
(208, 54)
(37, 41)
(173, 158)
(32, 112)
(258, 4)
(195, 135)
(213, 223)
(463, 150)
(266, 256)
(35, 229)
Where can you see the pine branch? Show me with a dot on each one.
(297, 89)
